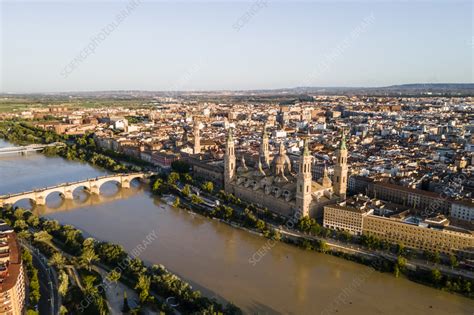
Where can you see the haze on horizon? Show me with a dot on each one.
(64, 46)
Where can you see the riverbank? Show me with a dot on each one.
(64, 245)
(252, 219)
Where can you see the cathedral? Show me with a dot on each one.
(274, 185)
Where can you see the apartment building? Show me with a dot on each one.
(420, 234)
(12, 278)
(371, 218)
(463, 210)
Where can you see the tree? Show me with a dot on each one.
(305, 224)
(63, 283)
(51, 226)
(432, 256)
(88, 242)
(196, 199)
(158, 186)
(114, 276)
(323, 246)
(260, 225)
(24, 235)
(173, 177)
(401, 262)
(453, 261)
(88, 257)
(228, 212)
(63, 310)
(186, 190)
(176, 202)
(57, 260)
(89, 285)
(33, 220)
(208, 186)
(436, 276)
(400, 249)
(71, 234)
(19, 214)
(42, 236)
(20, 225)
(143, 286)
(111, 253)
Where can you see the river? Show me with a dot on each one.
(214, 257)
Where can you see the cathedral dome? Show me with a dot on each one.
(281, 162)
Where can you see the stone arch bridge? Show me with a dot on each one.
(38, 196)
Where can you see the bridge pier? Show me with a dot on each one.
(40, 201)
(68, 194)
(95, 190)
(125, 184)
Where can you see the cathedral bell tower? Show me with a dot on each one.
(340, 170)
(264, 148)
(304, 181)
(197, 138)
(229, 162)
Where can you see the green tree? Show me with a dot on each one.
(260, 225)
(51, 226)
(173, 177)
(57, 260)
(323, 246)
(63, 283)
(63, 310)
(186, 190)
(88, 257)
(400, 249)
(33, 220)
(158, 186)
(176, 202)
(42, 236)
(453, 261)
(143, 287)
(114, 276)
(401, 262)
(208, 186)
(19, 214)
(436, 276)
(196, 199)
(20, 225)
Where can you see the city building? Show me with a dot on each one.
(12, 278)
(397, 224)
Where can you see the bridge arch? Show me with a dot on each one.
(127, 180)
(79, 187)
(15, 201)
(108, 180)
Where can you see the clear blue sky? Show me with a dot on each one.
(196, 45)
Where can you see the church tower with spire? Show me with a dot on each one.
(229, 161)
(264, 148)
(340, 170)
(197, 138)
(304, 182)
